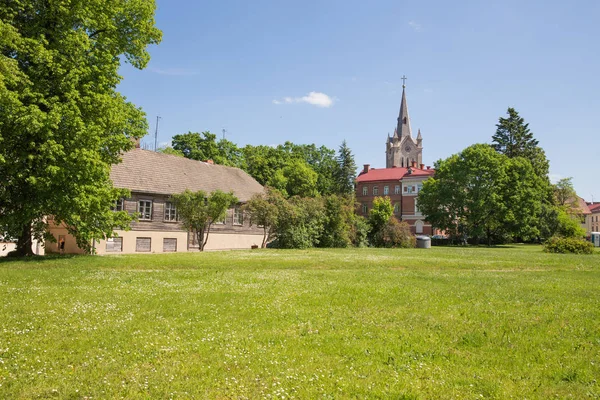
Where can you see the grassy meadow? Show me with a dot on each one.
(463, 323)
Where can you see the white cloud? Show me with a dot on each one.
(415, 26)
(313, 98)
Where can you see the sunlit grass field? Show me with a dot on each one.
(464, 323)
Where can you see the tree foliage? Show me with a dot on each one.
(62, 122)
(513, 138)
(294, 169)
(346, 171)
(480, 193)
(198, 211)
(379, 216)
(263, 211)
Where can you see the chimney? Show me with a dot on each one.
(428, 167)
(422, 166)
(393, 166)
(210, 162)
(413, 164)
(366, 168)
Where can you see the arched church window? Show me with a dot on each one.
(419, 226)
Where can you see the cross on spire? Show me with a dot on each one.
(403, 81)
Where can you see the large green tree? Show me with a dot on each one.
(480, 193)
(62, 122)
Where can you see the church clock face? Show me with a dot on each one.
(408, 149)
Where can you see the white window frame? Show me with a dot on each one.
(386, 190)
(145, 207)
(170, 214)
(119, 205)
(365, 208)
(365, 190)
(396, 208)
(397, 189)
(375, 190)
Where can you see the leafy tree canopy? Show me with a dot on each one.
(481, 193)
(199, 210)
(62, 122)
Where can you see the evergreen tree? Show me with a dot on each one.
(513, 138)
(346, 173)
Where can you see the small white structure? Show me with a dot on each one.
(595, 237)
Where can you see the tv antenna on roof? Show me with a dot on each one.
(156, 134)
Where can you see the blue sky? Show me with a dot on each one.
(250, 66)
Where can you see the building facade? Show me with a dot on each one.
(403, 177)
(593, 218)
(152, 178)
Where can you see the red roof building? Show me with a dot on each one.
(401, 185)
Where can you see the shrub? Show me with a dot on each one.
(397, 234)
(568, 245)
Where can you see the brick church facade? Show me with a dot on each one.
(403, 177)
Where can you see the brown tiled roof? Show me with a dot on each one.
(582, 206)
(150, 172)
(594, 207)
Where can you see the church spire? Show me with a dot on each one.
(403, 118)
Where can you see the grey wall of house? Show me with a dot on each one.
(158, 223)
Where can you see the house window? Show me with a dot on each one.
(365, 208)
(375, 190)
(365, 190)
(170, 212)
(114, 244)
(409, 189)
(238, 216)
(396, 208)
(397, 189)
(145, 209)
(143, 244)
(169, 245)
(419, 187)
(119, 205)
(386, 190)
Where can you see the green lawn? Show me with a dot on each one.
(465, 323)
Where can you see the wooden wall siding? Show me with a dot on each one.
(158, 214)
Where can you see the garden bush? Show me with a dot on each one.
(568, 245)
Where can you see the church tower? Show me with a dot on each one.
(402, 149)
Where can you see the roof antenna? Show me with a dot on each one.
(224, 132)
(156, 134)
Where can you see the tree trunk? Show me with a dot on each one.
(200, 239)
(205, 237)
(264, 243)
(24, 242)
